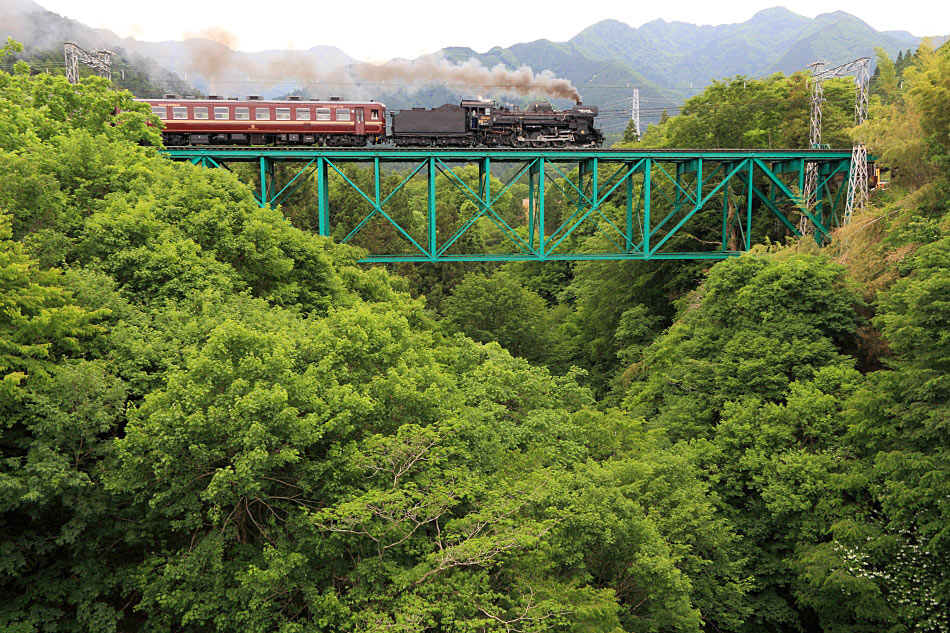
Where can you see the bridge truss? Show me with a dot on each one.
(655, 204)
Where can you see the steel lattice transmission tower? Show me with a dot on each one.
(858, 175)
(635, 112)
(99, 61)
(814, 139)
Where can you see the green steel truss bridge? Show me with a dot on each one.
(638, 201)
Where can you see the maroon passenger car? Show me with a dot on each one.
(219, 121)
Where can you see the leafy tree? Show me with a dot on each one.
(498, 308)
(645, 524)
(885, 76)
(630, 133)
(911, 135)
(890, 546)
(744, 112)
(753, 372)
(58, 412)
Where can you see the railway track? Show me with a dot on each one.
(256, 149)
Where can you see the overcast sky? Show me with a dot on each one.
(376, 31)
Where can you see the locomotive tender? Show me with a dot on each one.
(336, 123)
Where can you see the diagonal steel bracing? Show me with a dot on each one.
(556, 205)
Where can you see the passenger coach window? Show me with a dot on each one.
(242, 114)
(283, 114)
(374, 114)
(221, 114)
(160, 111)
(180, 113)
(303, 114)
(201, 113)
(262, 114)
(343, 114)
(323, 114)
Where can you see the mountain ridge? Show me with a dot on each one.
(667, 60)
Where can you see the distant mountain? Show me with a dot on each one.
(670, 61)
(685, 57)
(666, 61)
(212, 67)
(9, 7)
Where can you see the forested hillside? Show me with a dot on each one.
(215, 420)
(667, 61)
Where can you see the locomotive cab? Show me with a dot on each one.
(478, 113)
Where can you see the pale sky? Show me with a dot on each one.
(376, 30)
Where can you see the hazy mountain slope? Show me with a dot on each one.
(8, 7)
(204, 62)
(835, 37)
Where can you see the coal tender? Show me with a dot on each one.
(484, 123)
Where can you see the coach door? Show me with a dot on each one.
(360, 123)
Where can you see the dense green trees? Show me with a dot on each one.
(749, 112)
(213, 420)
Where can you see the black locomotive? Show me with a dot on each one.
(478, 122)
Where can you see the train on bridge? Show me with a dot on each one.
(337, 123)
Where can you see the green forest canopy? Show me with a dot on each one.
(214, 420)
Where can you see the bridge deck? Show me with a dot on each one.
(407, 154)
(638, 202)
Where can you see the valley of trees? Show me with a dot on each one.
(212, 419)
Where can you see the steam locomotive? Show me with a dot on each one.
(485, 123)
(337, 123)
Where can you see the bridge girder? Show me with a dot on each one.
(638, 201)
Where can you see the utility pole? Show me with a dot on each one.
(99, 61)
(857, 197)
(635, 111)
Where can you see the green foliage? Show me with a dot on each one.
(899, 424)
(162, 240)
(630, 133)
(215, 420)
(12, 47)
(645, 524)
(757, 326)
(39, 325)
(754, 365)
(885, 76)
(912, 133)
(498, 308)
(41, 107)
(57, 410)
(744, 112)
